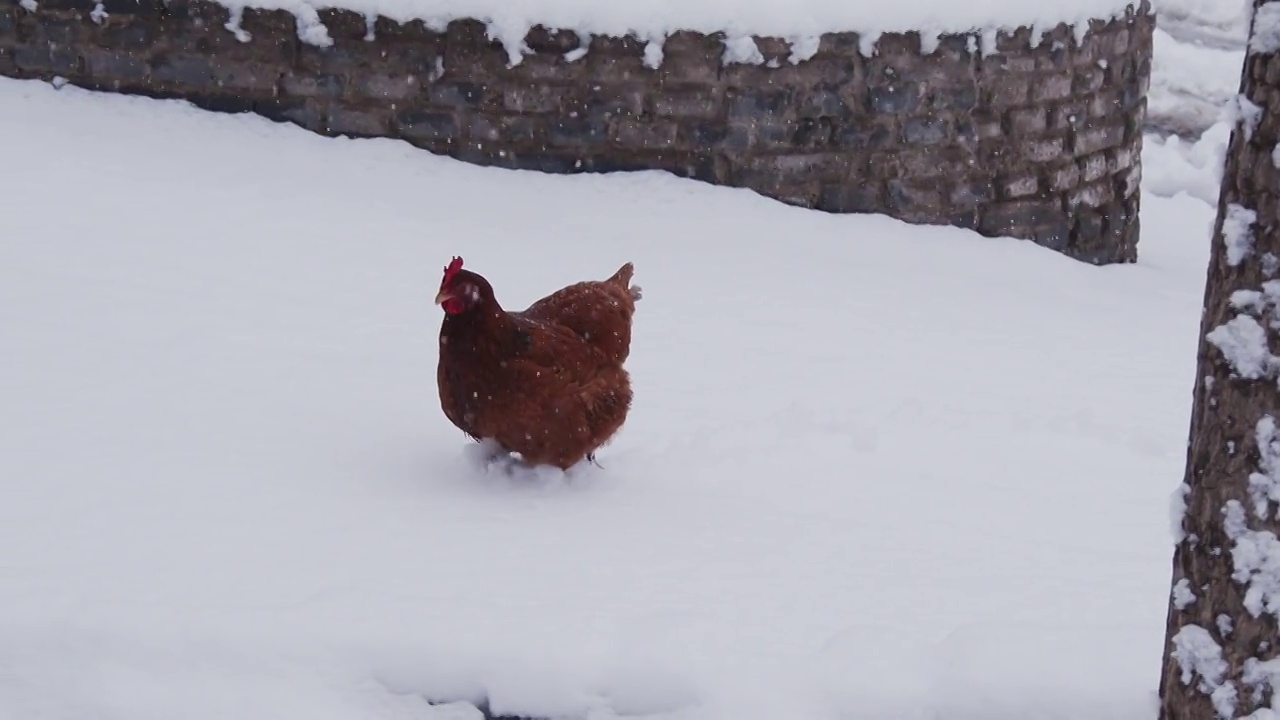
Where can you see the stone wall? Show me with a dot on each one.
(1039, 138)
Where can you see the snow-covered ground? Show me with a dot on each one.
(873, 471)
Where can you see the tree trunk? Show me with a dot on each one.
(1222, 632)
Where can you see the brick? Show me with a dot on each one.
(1018, 218)
(531, 98)
(131, 35)
(814, 132)
(1089, 140)
(47, 59)
(1027, 121)
(120, 8)
(824, 102)
(1093, 167)
(1131, 182)
(1007, 92)
(963, 96)
(358, 123)
(201, 74)
(114, 69)
(458, 94)
(1093, 195)
(759, 105)
(866, 135)
(1018, 186)
(645, 135)
(1052, 87)
(577, 132)
(424, 125)
(701, 103)
(971, 194)
(1044, 149)
(850, 197)
(389, 87)
(1064, 177)
(926, 130)
(296, 111)
(777, 135)
(1088, 81)
(704, 135)
(1068, 115)
(1105, 104)
(915, 201)
(895, 99)
(312, 85)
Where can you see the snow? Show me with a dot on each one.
(796, 21)
(1183, 596)
(1265, 37)
(1199, 656)
(1237, 233)
(230, 491)
(1264, 486)
(1243, 343)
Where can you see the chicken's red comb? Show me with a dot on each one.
(451, 270)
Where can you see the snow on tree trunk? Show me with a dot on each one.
(1222, 650)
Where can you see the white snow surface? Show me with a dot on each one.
(510, 20)
(856, 481)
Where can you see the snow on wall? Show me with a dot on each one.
(509, 21)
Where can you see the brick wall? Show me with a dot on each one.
(1036, 139)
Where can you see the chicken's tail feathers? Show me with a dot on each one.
(623, 278)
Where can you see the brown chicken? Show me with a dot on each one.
(547, 382)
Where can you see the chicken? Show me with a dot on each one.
(548, 382)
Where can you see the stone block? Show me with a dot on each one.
(894, 99)
(1052, 87)
(1094, 167)
(577, 132)
(866, 135)
(1091, 139)
(1067, 115)
(916, 201)
(1063, 177)
(1019, 185)
(961, 96)
(697, 102)
(1046, 149)
(929, 130)
(358, 123)
(813, 133)
(46, 59)
(144, 8)
(971, 193)
(1093, 195)
(706, 135)
(1026, 121)
(344, 26)
(128, 34)
(389, 87)
(645, 135)
(851, 196)
(531, 98)
(1017, 218)
(293, 110)
(458, 94)
(752, 106)
(115, 70)
(1088, 80)
(426, 125)
(1006, 91)
(320, 86)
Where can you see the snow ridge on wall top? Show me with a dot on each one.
(796, 20)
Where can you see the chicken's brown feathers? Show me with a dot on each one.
(547, 382)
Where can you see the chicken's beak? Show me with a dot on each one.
(442, 296)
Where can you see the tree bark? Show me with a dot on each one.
(1225, 590)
